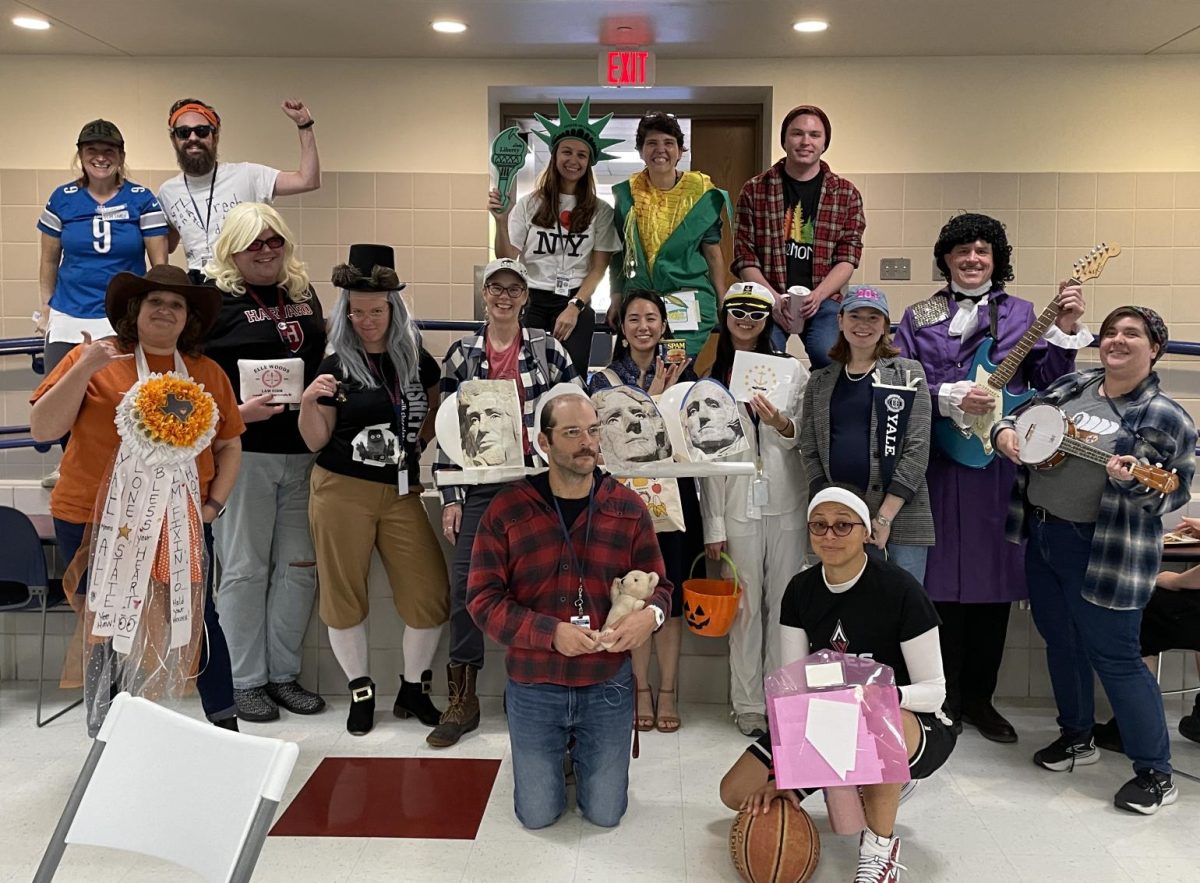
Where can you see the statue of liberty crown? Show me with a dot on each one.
(579, 128)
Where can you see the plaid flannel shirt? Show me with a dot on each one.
(1127, 544)
(760, 238)
(522, 582)
(472, 349)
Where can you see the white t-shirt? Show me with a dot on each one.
(547, 252)
(186, 203)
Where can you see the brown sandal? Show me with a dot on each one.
(645, 723)
(666, 723)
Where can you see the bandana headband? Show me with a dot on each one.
(851, 501)
(206, 112)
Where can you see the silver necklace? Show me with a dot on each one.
(846, 370)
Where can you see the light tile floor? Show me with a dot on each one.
(988, 815)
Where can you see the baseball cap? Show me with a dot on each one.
(865, 296)
(100, 131)
(513, 266)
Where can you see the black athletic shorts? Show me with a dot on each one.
(937, 741)
(1171, 621)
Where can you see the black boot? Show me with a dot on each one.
(361, 718)
(227, 723)
(462, 715)
(414, 701)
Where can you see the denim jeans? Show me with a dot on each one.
(1082, 638)
(911, 558)
(819, 334)
(214, 683)
(466, 638)
(542, 718)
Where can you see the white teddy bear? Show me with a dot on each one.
(629, 594)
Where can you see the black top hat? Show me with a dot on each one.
(368, 268)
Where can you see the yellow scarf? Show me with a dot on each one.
(658, 212)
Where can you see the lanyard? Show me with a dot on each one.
(395, 395)
(280, 324)
(587, 538)
(207, 215)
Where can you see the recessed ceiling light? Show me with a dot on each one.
(810, 27)
(32, 24)
(447, 26)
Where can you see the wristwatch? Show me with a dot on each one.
(577, 303)
(218, 505)
(884, 520)
(659, 616)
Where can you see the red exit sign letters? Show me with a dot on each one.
(627, 67)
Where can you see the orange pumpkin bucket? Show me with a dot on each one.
(709, 605)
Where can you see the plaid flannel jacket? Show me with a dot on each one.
(472, 350)
(522, 582)
(759, 237)
(1127, 544)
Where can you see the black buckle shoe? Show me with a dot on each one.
(361, 718)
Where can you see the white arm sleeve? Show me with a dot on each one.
(923, 657)
(793, 644)
(949, 400)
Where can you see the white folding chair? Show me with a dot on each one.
(162, 784)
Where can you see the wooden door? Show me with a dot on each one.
(728, 151)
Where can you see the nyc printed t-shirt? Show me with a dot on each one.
(246, 330)
(546, 252)
(185, 200)
(94, 438)
(98, 241)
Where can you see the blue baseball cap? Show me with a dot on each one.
(865, 296)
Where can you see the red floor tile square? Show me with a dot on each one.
(441, 798)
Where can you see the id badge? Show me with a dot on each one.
(402, 474)
(562, 284)
(584, 622)
(760, 493)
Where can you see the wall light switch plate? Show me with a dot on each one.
(895, 269)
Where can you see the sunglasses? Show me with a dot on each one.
(260, 244)
(657, 114)
(185, 132)
(839, 528)
(751, 315)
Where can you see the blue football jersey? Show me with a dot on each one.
(98, 241)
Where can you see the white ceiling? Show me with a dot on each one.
(575, 28)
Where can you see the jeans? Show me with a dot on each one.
(466, 640)
(268, 571)
(214, 683)
(542, 718)
(819, 334)
(1082, 638)
(911, 558)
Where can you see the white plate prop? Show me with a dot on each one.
(445, 426)
(758, 373)
(670, 405)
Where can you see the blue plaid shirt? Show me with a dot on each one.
(472, 351)
(1127, 544)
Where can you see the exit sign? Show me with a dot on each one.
(627, 67)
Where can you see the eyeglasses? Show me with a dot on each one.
(374, 315)
(260, 244)
(839, 528)
(495, 289)
(751, 315)
(185, 132)
(574, 433)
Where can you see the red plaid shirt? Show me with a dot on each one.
(760, 238)
(523, 584)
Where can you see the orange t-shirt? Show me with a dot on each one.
(94, 439)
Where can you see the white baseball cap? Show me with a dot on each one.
(513, 266)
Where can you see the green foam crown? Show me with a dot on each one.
(579, 128)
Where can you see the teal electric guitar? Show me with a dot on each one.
(972, 446)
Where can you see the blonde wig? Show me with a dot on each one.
(245, 223)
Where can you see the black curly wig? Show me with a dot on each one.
(965, 228)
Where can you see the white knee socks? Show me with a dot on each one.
(419, 646)
(350, 648)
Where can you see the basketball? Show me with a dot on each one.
(779, 847)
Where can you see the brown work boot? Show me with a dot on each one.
(462, 714)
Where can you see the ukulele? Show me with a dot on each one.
(972, 446)
(1047, 436)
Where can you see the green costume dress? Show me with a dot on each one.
(663, 231)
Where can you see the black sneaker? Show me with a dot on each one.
(295, 698)
(255, 705)
(1108, 737)
(1189, 724)
(1146, 792)
(1067, 752)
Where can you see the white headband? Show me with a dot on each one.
(848, 499)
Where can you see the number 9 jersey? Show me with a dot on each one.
(98, 241)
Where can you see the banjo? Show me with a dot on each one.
(1047, 436)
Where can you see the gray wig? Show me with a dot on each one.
(402, 344)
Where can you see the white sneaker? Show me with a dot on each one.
(751, 724)
(875, 868)
(907, 789)
(50, 480)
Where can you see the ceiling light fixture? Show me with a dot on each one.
(810, 27)
(32, 24)
(448, 26)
